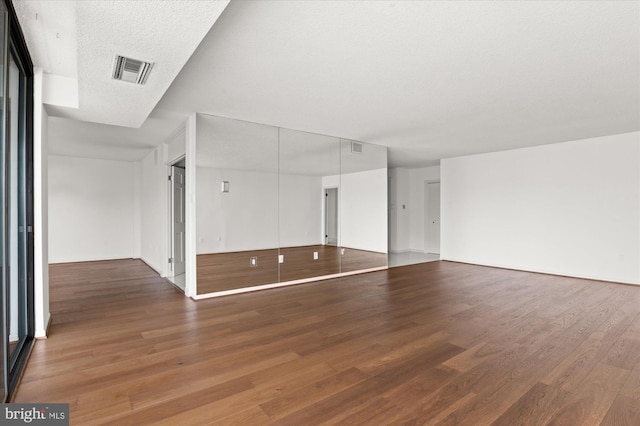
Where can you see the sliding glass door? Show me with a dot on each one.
(4, 261)
(16, 195)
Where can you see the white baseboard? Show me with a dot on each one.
(42, 334)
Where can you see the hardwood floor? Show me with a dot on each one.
(434, 343)
(229, 271)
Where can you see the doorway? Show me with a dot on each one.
(178, 226)
(331, 216)
(432, 218)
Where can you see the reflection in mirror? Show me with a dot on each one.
(236, 204)
(277, 205)
(363, 206)
(307, 247)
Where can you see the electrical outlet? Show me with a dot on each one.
(315, 255)
(281, 258)
(342, 252)
(253, 261)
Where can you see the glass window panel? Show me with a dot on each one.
(18, 220)
(3, 203)
(16, 197)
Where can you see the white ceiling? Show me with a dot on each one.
(80, 39)
(428, 79)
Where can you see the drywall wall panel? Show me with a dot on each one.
(417, 180)
(153, 209)
(90, 209)
(176, 147)
(569, 208)
(40, 208)
(399, 210)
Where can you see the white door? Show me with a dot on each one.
(432, 217)
(331, 216)
(177, 220)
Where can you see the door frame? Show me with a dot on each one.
(325, 215)
(170, 234)
(427, 217)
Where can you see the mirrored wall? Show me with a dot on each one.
(277, 205)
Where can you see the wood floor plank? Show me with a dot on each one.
(569, 373)
(533, 408)
(437, 343)
(589, 404)
(280, 407)
(625, 409)
(375, 411)
(158, 412)
(625, 352)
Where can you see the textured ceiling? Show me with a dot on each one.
(162, 32)
(430, 80)
(50, 32)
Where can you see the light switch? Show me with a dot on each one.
(315, 255)
(253, 261)
(281, 258)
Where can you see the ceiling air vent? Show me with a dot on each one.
(131, 70)
(356, 147)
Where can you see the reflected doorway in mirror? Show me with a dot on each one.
(331, 216)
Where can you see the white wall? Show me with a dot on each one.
(154, 201)
(153, 210)
(399, 210)
(137, 209)
(569, 208)
(176, 147)
(40, 210)
(406, 188)
(59, 90)
(91, 213)
(247, 217)
(363, 210)
(417, 202)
